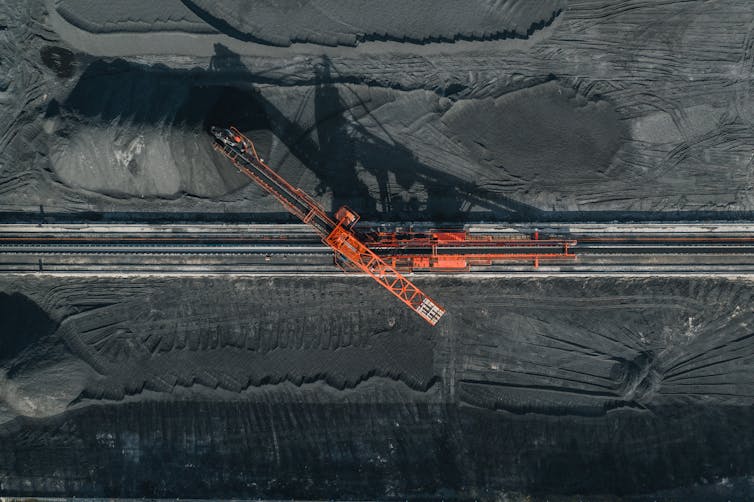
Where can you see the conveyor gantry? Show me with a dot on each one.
(338, 234)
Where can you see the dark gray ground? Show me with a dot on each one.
(328, 388)
(207, 386)
(634, 111)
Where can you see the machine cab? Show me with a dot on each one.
(346, 217)
(229, 138)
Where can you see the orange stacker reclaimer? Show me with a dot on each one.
(385, 255)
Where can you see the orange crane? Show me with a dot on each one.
(339, 235)
(385, 255)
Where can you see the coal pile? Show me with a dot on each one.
(319, 387)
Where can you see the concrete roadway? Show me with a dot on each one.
(602, 249)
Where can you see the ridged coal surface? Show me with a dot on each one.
(525, 383)
(588, 119)
(585, 110)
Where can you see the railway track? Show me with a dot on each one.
(600, 249)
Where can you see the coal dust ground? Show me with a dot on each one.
(509, 110)
(544, 386)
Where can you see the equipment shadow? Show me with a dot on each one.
(342, 153)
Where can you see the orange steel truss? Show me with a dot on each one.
(457, 251)
(348, 245)
(384, 256)
(339, 236)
